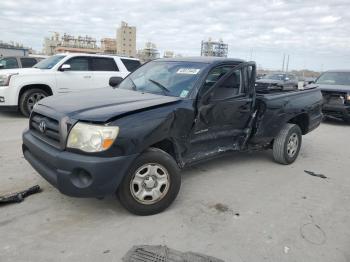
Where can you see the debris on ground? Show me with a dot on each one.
(221, 207)
(18, 197)
(164, 254)
(314, 174)
(286, 250)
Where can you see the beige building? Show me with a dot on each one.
(69, 43)
(168, 54)
(126, 40)
(109, 45)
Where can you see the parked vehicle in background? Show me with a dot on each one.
(335, 87)
(277, 81)
(168, 114)
(308, 80)
(63, 73)
(12, 62)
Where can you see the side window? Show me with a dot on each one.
(78, 64)
(104, 64)
(131, 65)
(9, 62)
(28, 62)
(231, 87)
(214, 76)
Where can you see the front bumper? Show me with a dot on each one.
(7, 97)
(74, 174)
(338, 111)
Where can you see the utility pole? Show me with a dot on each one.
(287, 64)
(284, 58)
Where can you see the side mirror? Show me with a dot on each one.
(286, 79)
(2, 66)
(311, 82)
(114, 81)
(65, 67)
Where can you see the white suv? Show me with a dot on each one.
(61, 73)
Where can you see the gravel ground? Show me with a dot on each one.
(242, 207)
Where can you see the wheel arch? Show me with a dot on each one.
(168, 146)
(302, 120)
(43, 87)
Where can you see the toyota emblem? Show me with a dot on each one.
(42, 126)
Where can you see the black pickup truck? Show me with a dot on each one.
(170, 113)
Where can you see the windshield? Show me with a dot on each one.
(50, 62)
(167, 78)
(275, 76)
(334, 78)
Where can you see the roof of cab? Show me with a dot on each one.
(202, 59)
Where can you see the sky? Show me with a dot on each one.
(315, 34)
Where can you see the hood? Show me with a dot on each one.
(21, 71)
(269, 81)
(336, 88)
(100, 105)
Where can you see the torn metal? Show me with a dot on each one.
(18, 197)
(164, 254)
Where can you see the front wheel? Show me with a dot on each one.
(29, 98)
(152, 183)
(286, 145)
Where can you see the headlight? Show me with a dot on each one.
(5, 79)
(92, 138)
(348, 97)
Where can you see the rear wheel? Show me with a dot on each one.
(287, 144)
(29, 98)
(151, 184)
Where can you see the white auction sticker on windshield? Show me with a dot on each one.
(188, 71)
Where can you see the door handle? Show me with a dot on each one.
(87, 76)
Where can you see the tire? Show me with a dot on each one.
(153, 173)
(29, 98)
(286, 145)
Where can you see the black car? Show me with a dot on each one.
(335, 87)
(169, 114)
(277, 81)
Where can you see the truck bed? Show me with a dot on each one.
(276, 94)
(278, 107)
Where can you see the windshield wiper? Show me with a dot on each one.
(159, 85)
(133, 84)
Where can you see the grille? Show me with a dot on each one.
(46, 128)
(335, 98)
(261, 86)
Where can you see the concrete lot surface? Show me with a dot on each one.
(242, 207)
